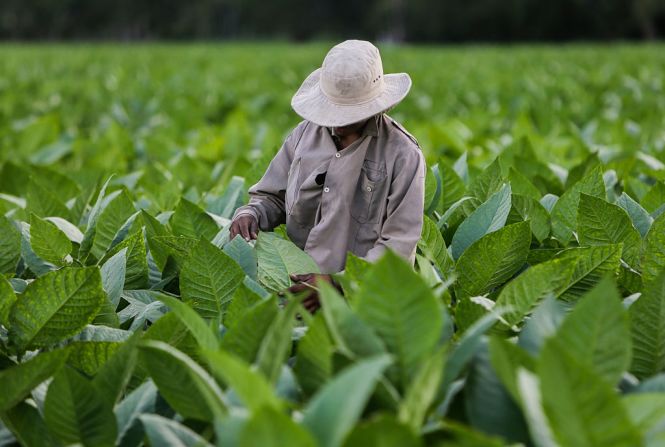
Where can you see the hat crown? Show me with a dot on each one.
(352, 73)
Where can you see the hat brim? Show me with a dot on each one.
(313, 105)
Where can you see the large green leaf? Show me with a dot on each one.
(27, 425)
(421, 391)
(276, 345)
(314, 356)
(523, 293)
(401, 308)
(7, 300)
(591, 264)
(489, 407)
(278, 258)
(583, 409)
(199, 329)
(111, 218)
(251, 387)
(488, 217)
(600, 223)
(333, 411)
(244, 254)
(596, 332)
(640, 217)
(433, 246)
(164, 431)
(384, 431)
(190, 220)
(647, 325)
(244, 339)
(44, 202)
(564, 213)
(55, 306)
(10, 246)
(185, 385)
(269, 427)
(208, 279)
(140, 401)
(48, 242)
(492, 260)
(76, 412)
(653, 257)
(17, 381)
(136, 270)
(529, 209)
(114, 375)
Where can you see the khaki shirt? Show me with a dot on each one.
(364, 198)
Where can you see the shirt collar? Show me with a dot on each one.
(371, 128)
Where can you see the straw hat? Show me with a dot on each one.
(349, 87)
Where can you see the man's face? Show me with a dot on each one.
(345, 131)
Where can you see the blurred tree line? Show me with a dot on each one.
(399, 20)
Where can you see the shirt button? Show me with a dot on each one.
(337, 155)
(326, 189)
(369, 188)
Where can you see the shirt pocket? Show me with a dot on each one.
(308, 198)
(367, 203)
(292, 185)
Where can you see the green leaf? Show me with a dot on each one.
(492, 260)
(244, 338)
(506, 358)
(596, 332)
(27, 425)
(489, 407)
(647, 412)
(243, 298)
(314, 356)
(383, 431)
(488, 182)
(276, 345)
(243, 253)
(76, 413)
(564, 213)
(7, 301)
(452, 186)
(269, 427)
(278, 258)
(45, 202)
(522, 186)
(194, 323)
(421, 392)
(17, 381)
(334, 410)
(523, 293)
(113, 276)
(164, 431)
(529, 209)
(433, 246)
(583, 409)
(140, 401)
(10, 246)
(48, 242)
(56, 306)
(191, 221)
(599, 223)
(542, 324)
(114, 375)
(88, 356)
(653, 256)
(647, 326)
(185, 385)
(208, 280)
(488, 217)
(251, 387)
(640, 217)
(112, 217)
(400, 307)
(136, 270)
(654, 198)
(591, 264)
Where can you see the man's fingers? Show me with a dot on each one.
(254, 229)
(296, 288)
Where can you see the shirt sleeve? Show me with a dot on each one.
(266, 197)
(403, 225)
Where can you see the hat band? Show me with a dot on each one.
(371, 95)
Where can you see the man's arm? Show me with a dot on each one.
(266, 201)
(403, 225)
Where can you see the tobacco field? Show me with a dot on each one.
(534, 316)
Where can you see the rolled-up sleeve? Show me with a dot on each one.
(404, 215)
(267, 196)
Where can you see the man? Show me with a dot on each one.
(348, 177)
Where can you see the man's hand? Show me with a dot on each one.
(310, 281)
(246, 226)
